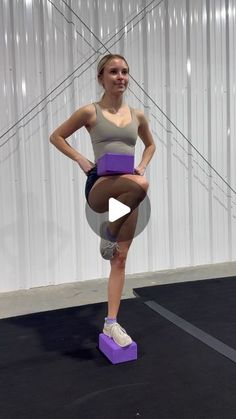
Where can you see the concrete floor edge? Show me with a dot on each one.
(93, 291)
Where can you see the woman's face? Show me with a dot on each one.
(115, 76)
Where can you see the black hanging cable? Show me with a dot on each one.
(70, 75)
(152, 101)
(72, 23)
(180, 132)
(44, 106)
(94, 35)
(149, 97)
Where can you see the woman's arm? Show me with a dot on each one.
(147, 138)
(77, 120)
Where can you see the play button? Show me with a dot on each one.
(117, 209)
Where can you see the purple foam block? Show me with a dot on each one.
(114, 352)
(111, 164)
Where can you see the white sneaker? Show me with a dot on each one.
(117, 333)
(107, 248)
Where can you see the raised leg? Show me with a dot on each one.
(128, 189)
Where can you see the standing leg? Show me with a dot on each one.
(117, 273)
(116, 282)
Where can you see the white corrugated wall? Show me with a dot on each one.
(182, 59)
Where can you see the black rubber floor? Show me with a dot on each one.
(208, 304)
(51, 368)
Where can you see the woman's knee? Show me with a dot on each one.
(143, 183)
(140, 189)
(139, 183)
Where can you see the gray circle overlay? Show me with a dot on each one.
(96, 219)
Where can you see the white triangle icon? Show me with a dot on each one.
(117, 209)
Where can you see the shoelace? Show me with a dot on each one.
(119, 328)
(110, 245)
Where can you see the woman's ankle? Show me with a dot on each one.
(110, 320)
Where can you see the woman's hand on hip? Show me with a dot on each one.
(140, 170)
(86, 165)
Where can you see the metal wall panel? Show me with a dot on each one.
(182, 60)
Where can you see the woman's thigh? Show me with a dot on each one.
(111, 187)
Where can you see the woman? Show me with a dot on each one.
(113, 127)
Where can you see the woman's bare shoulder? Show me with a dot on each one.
(140, 116)
(87, 114)
(87, 110)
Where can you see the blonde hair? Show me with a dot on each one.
(102, 63)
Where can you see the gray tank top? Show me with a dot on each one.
(107, 137)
